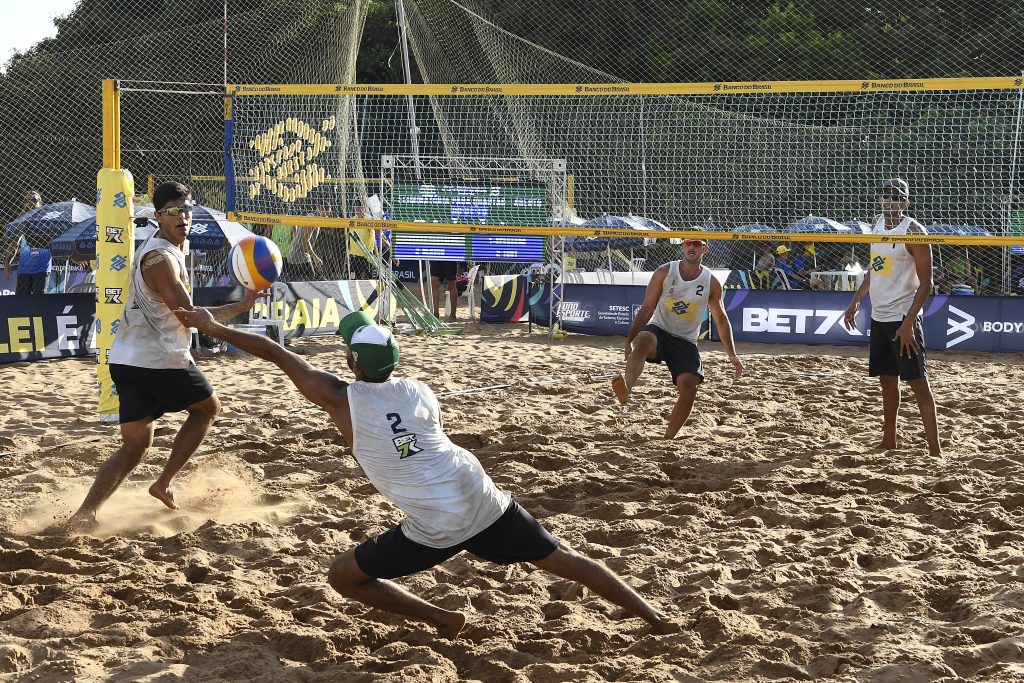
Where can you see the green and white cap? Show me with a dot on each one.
(374, 347)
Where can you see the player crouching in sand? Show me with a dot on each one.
(395, 431)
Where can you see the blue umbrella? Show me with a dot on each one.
(859, 226)
(42, 224)
(79, 243)
(574, 243)
(946, 229)
(211, 230)
(607, 221)
(818, 224)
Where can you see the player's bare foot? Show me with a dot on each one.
(164, 495)
(620, 389)
(887, 445)
(79, 523)
(450, 624)
(450, 319)
(665, 626)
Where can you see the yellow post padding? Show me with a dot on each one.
(115, 250)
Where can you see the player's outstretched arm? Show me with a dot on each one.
(322, 388)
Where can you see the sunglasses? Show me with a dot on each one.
(176, 210)
(690, 243)
(892, 197)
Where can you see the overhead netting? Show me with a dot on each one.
(731, 159)
(51, 119)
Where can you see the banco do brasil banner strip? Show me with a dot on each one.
(626, 89)
(409, 226)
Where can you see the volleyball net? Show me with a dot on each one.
(761, 165)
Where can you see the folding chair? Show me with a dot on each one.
(471, 290)
(268, 318)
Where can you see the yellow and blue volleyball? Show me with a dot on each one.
(255, 262)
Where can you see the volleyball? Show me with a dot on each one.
(255, 262)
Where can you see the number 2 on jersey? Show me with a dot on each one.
(396, 423)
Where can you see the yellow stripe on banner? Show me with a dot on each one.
(459, 228)
(626, 89)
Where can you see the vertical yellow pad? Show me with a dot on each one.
(115, 251)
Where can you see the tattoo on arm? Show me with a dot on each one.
(151, 259)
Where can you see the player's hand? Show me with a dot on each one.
(317, 261)
(251, 296)
(905, 336)
(199, 318)
(737, 364)
(850, 317)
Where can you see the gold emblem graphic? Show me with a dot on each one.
(288, 150)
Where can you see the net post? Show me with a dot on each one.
(115, 246)
(111, 124)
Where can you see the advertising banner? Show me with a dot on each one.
(312, 308)
(974, 323)
(505, 299)
(594, 309)
(8, 284)
(37, 326)
(770, 316)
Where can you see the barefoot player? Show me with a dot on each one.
(677, 297)
(150, 361)
(394, 429)
(899, 281)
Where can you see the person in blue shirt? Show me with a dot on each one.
(1017, 278)
(34, 262)
(782, 263)
(804, 263)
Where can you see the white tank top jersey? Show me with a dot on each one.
(893, 282)
(682, 303)
(398, 441)
(149, 335)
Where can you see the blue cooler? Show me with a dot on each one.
(961, 290)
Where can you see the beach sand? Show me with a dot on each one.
(788, 546)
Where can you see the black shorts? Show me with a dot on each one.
(148, 393)
(33, 283)
(515, 537)
(445, 271)
(680, 355)
(885, 358)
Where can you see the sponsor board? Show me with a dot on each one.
(41, 326)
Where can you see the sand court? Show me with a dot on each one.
(789, 546)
